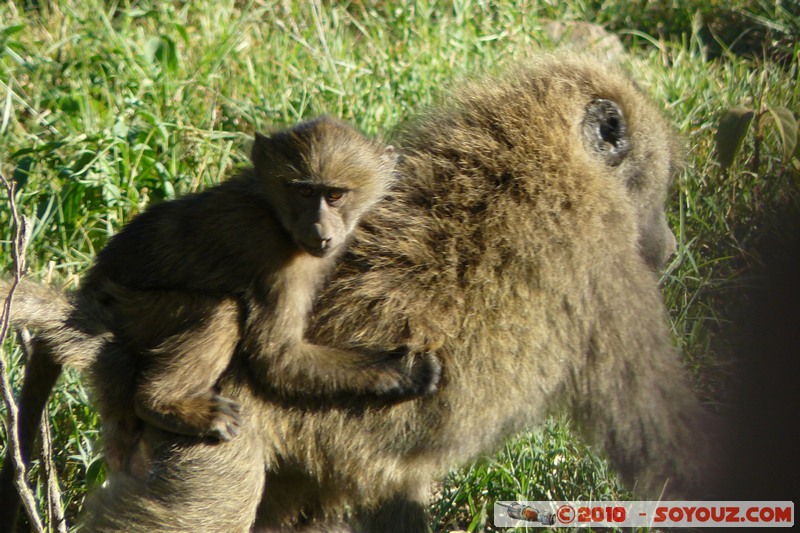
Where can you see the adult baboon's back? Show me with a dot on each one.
(521, 242)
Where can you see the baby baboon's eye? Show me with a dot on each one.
(334, 196)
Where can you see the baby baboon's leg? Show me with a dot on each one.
(190, 487)
(177, 389)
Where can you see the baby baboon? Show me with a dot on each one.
(188, 280)
(521, 239)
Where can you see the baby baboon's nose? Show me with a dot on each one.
(319, 229)
(321, 237)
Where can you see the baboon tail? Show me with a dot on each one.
(44, 309)
(41, 373)
(36, 306)
(73, 331)
(66, 332)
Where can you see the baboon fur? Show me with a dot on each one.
(524, 247)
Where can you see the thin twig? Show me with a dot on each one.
(12, 447)
(54, 506)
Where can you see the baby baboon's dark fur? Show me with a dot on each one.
(522, 240)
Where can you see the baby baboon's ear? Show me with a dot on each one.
(390, 155)
(605, 131)
(261, 145)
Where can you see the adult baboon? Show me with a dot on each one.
(521, 240)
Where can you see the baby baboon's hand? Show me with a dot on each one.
(426, 370)
(226, 418)
(420, 372)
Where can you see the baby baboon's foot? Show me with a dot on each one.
(207, 415)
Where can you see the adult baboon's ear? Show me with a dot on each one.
(605, 131)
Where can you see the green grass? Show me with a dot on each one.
(106, 107)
